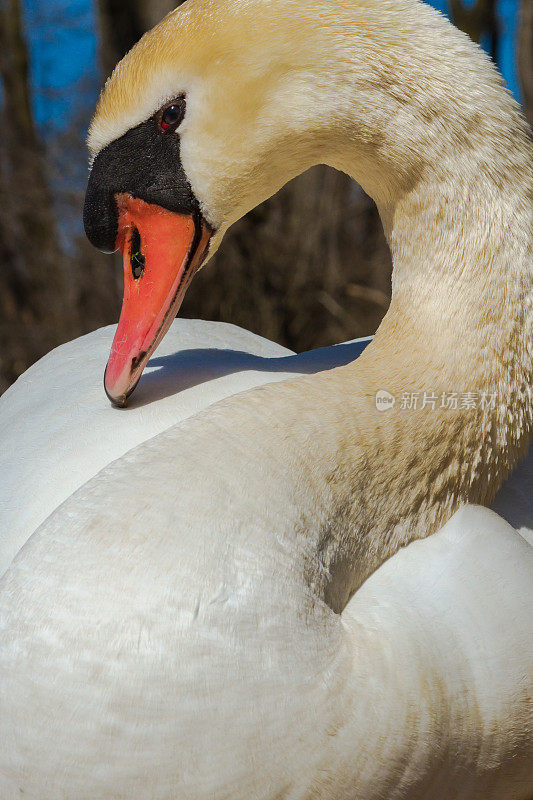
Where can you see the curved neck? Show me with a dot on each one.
(431, 134)
(462, 284)
(448, 160)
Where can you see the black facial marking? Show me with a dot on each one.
(145, 162)
(136, 256)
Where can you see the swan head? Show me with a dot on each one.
(208, 115)
(224, 101)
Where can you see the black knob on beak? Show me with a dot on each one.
(145, 162)
(100, 214)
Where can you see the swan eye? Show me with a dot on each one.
(172, 115)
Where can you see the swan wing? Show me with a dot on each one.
(58, 430)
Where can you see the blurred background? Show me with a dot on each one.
(309, 267)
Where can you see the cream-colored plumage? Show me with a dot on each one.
(210, 615)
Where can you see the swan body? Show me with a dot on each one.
(198, 364)
(73, 434)
(423, 659)
(264, 586)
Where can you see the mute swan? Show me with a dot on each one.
(210, 615)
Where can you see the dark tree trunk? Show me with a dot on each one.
(122, 24)
(525, 56)
(34, 310)
(477, 19)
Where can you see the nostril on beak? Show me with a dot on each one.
(137, 259)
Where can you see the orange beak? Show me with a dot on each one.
(161, 252)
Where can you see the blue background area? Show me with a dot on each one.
(62, 41)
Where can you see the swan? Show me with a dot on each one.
(279, 589)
